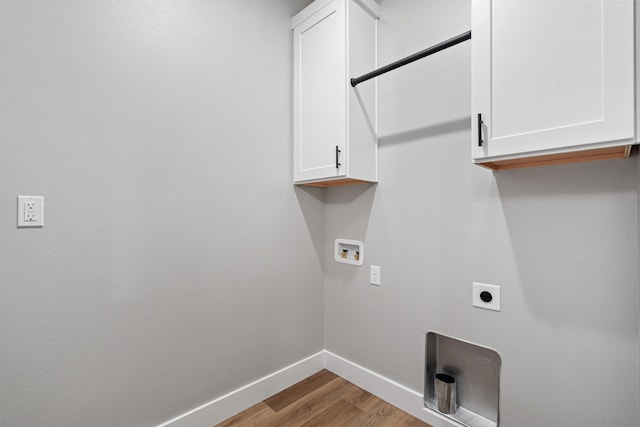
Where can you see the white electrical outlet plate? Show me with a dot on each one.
(30, 211)
(486, 296)
(374, 275)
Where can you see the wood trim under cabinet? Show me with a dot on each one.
(608, 153)
(336, 183)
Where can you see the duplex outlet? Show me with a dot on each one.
(30, 211)
(486, 296)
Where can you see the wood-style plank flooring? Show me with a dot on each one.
(323, 399)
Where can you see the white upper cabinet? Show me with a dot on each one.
(335, 140)
(552, 81)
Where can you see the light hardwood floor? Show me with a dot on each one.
(323, 399)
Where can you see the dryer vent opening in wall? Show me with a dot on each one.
(475, 372)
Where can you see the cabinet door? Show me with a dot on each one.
(319, 94)
(552, 75)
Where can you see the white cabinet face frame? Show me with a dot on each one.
(320, 121)
(551, 76)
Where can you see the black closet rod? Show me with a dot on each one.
(411, 58)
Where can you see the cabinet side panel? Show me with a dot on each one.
(363, 145)
(637, 69)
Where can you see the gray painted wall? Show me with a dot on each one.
(561, 241)
(177, 262)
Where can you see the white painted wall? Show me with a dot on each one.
(177, 262)
(562, 242)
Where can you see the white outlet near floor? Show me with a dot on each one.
(30, 211)
(486, 296)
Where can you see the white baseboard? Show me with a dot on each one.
(398, 395)
(238, 400)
